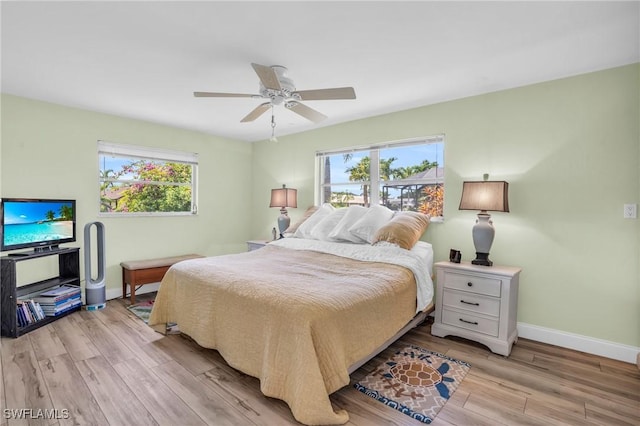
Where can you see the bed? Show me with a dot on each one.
(299, 314)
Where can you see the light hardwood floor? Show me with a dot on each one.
(108, 368)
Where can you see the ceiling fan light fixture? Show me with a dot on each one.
(279, 89)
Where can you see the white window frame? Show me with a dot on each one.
(374, 172)
(153, 154)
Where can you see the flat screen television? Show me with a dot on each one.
(38, 223)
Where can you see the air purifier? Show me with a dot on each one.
(95, 295)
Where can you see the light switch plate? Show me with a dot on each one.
(630, 211)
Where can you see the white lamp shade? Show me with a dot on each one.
(284, 197)
(485, 195)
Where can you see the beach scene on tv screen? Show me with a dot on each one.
(30, 222)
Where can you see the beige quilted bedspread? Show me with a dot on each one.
(295, 319)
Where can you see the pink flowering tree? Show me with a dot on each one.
(157, 187)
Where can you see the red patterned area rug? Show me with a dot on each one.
(142, 310)
(415, 381)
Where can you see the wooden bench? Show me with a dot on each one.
(140, 272)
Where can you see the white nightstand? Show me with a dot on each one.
(479, 303)
(256, 244)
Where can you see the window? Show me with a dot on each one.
(146, 181)
(406, 175)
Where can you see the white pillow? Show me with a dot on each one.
(341, 231)
(325, 226)
(365, 228)
(304, 230)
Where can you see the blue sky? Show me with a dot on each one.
(29, 212)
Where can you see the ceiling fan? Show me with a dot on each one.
(276, 86)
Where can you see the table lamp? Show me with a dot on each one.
(284, 197)
(484, 196)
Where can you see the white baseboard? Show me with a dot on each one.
(580, 343)
(116, 293)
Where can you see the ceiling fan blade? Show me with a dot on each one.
(326, 94)
(267, 76)
(257, 112)
(223, 95)
(305, 111)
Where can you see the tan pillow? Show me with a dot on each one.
(294, 227)
(404, 229)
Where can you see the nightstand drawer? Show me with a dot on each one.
(473, 284)
(471, 302)
(470, 322)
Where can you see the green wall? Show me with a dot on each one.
(570, 150)
(50, 151)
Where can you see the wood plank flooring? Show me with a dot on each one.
(108, 368)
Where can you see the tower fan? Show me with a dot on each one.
(95, 295)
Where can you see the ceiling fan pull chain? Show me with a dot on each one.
(273, 127)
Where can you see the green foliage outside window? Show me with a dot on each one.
(147, 186)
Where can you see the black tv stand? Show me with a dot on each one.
(38, 251)
(68, 274)
(46, 249)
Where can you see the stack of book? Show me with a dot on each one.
(29, 312)
(58, 300)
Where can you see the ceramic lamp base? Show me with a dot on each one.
(283, 221)
(483, 234)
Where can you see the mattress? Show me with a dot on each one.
(297, 313)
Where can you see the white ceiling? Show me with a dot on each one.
(144, 60)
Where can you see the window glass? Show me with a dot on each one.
(136, 180)
(346, 178)
(406, 175)
(412, 178)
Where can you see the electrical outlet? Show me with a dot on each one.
(630, 211)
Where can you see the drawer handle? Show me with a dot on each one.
(469, 303)
(469, 322)
(470, 284)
